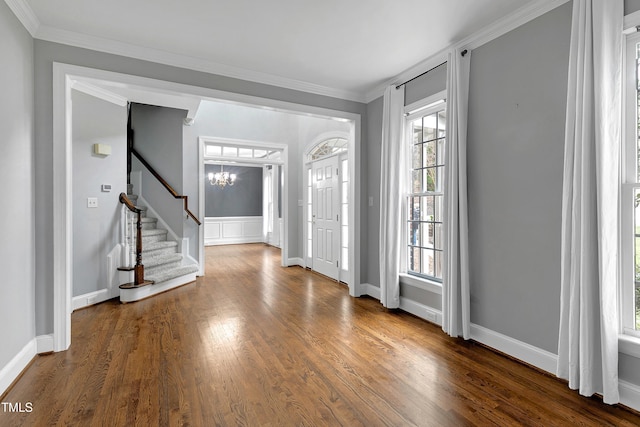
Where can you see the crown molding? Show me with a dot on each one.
(500, 27)
(25, 15)
(183, 61)
(29, 20)
(99, 93)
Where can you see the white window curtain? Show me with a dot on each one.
(455, 280)
(392, 172)
(588, 337)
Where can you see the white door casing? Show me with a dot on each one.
(326, 217)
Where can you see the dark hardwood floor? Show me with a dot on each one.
(253, 343)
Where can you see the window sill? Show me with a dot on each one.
(418, 282)
(629, 345)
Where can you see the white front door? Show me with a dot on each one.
(325, 217)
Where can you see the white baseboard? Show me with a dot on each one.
(371, 290)
(422, 311)
(527, 353)
(91, 298)
(296, 261)
(12, 370)
(629, 394)
(44, 343)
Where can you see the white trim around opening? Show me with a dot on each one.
(64, 76)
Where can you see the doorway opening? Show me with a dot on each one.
(129, 88)
(252, 209)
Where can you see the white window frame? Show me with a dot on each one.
(425, 106)
(629, 337)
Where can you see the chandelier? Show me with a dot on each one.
(222, 178)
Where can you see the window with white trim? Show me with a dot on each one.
(426, 136)
(630, 239)
(328, 148)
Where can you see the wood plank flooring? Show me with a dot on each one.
(255, 344)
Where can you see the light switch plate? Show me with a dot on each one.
(92, 202)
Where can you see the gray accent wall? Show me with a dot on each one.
(157, 134)
(96, 231)
(17, 245)
(517, 103)
(244, 198)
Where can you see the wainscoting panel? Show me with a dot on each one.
(232, 230)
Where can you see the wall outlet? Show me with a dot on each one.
(92, 202)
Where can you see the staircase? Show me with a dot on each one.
(163, 264)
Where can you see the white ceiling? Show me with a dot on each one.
(349, 46)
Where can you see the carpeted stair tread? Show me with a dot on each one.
(148, 223)
(145, 220)
(155, 246)
(153, 232)
(154, 261)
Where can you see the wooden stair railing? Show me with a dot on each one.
(166, 185)
(138, 269)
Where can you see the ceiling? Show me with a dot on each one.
(344, 46)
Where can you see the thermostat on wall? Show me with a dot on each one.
(106, 188)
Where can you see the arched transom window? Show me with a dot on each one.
(328, 147)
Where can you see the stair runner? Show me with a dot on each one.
(160, 256)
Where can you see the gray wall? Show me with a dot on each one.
(244, 198)
(631, 6)
(517, 101)
(426, 85)
(372, 150)
(45, 53)
(16, 171)
(95, 230)
(157, 133)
